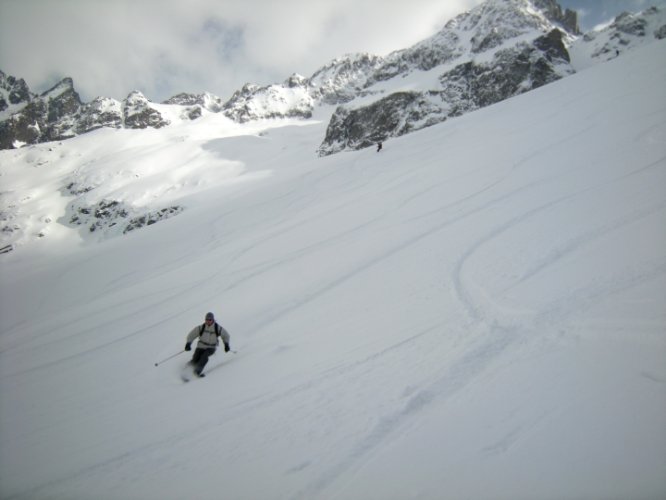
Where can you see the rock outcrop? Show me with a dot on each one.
(494, 51)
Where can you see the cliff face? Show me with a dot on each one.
(497, 50)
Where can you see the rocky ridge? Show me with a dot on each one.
(468, 86)
(626, 31)
(531, 38)
(493, 52)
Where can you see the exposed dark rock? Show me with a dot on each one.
(74, 189)
(567, 19)
(295, 80)
(363, 127)
(493, 28)
(16, 90)
(139, 114)
(626, 31)
(253, 102)
(343, 79)
(552, 45)
(113, 215)
(152, 218)
(61, 100)
(183, 99)
(26, 127)
(630, 24)
(193, 113)
(50, 116)
(206, 101)
(467, 87)
(101, 112)
(513, 71)
(660, 33)
(471, 86)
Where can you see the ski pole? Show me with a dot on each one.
(170, 357)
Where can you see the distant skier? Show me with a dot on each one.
(379, 147)
(208, 335)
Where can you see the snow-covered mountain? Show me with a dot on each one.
(498, 50)
(626, 32)
(517, 44)
(477, 311)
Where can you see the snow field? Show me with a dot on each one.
(475, 312)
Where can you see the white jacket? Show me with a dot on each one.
(208, 338)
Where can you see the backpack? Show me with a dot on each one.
(202, 327)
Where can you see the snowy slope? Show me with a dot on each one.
(477, 311)
(626, 32)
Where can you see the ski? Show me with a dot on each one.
(188, 374)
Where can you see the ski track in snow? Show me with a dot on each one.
(442, 387)
(472, 303)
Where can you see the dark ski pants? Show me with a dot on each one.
(200, 358)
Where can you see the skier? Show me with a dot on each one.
(208, 335)
(379, 147)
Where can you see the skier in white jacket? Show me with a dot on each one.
(208, 335)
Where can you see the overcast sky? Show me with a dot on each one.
(163, 47)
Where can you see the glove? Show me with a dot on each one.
(226, 347)
(188, 347)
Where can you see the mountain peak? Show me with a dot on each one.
(136, 96)
(495, 32)
(13, 91)
(139, 113)
(63, 86)
(496, 21)
(566, 18)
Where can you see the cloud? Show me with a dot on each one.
(162, 47)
